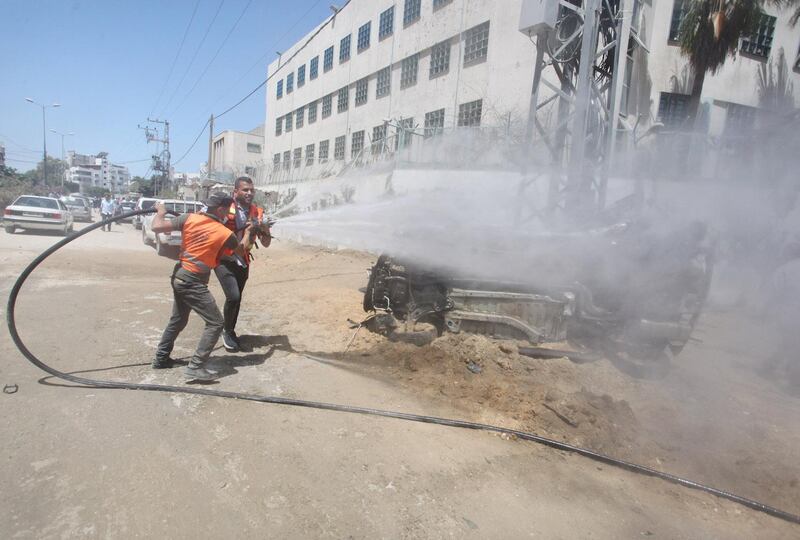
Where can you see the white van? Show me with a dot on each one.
(168, 243)
(142, 204)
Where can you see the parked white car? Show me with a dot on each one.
(81, 211)
(31, 212)
(168, 243)
(142, 204)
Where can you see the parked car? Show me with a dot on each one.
(143, 204)
(81, 211)
(31, 212)
(168, 243)
(125, 207)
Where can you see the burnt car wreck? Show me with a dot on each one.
(623, 287)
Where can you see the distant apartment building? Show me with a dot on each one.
(96, 171)
(381, 75)
(237, 153)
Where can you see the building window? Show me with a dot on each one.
(323, 151)
(384, 82)
(405, 131)
(312, 112)
(759, 43)
(362, 87)
(408, 72)
(278, 126)
(288, 123)
(276, 161)
(344, 49)
(469, 114)
(301, 75)
(434, 123)
(440, 59)
(679, 10)
(250, 171)
(378, 137)
(299, 115)
(343, 102)
(356, 144)
(279, 89)
(411, 11)
(298, 157)
(313, 68)
(386, 26)
(440, 3)
(363, 36)
(476, 44)
(739, 119)
(338, 148)
(253, 148)
(289, 83)
(328, 60)
(327, 105)
(287, 160)
(672, 109)
(309, 155)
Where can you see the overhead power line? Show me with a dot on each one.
(193, 144)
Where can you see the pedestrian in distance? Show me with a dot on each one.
(106, 210)
(234, 268)
(205, 239)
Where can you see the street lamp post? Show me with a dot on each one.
(44, 134)
(63, 156)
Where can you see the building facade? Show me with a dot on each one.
(96, 171)
(237, 153)
(380, 75)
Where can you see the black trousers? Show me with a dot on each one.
(232, 278)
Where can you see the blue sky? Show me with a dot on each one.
(107, 61)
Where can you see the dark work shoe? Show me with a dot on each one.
(166, 363)
(230, 341)
(200, 373)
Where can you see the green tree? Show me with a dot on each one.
(142, 185)
(707, 50)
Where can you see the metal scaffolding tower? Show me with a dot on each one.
(162, 173)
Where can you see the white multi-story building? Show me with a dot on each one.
(379, 73)
(236, 153)
(96, 171)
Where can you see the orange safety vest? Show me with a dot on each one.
(202, 241)
(255, 213)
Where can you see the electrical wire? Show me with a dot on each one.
(194, 143)
(532, 437)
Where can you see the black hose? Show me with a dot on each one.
(633, 467)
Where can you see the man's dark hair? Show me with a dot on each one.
(242, 179)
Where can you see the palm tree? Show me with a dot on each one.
(710, 33)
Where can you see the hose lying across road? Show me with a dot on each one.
(633, 467)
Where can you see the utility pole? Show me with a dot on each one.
(63, 156)
(161, 160)
(211, 146)
(44, 134)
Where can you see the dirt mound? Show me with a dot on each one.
(491, 383)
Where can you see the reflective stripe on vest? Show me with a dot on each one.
(202, 240)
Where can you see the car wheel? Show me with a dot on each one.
(10, 229)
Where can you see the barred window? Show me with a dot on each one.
(343, 102)
(759, 43)
(476, 44)
(364, 35)
(338, 148)
(288, 123)
(362, 88)
(344, 49)
(312, 112)
(440, 59)
(405, 132)
(434, 123)
(278, 126)
(298, 157)
(672, 109)
(313, 68)
(469, 114)
(309, 155)
(289, 83)
(386, 26)
(287, 160)
(384, 82)
(440, 3)
(356, 144)
(323, 151)
(279, 89)
(328, 60)
(299, 115)
(679, 10)
(276, 160)
(301, 75)
(408, 72)
(411, 11)
(327, 105)
(378, 136)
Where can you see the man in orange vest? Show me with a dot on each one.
(234, 268)
(205, 238)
